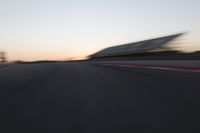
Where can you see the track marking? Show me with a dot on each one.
(5, 66)
(160, 67)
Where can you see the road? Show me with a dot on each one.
(86, 97)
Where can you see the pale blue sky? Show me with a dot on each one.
(60, 29)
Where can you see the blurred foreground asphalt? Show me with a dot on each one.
(90, 98)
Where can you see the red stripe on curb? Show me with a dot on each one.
(167, 67)
(5, 66)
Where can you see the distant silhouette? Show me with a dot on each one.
(2, 56)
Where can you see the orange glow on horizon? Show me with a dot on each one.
(50, 57)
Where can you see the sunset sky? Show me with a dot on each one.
(66, 29)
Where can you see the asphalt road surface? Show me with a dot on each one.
(92, 98)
